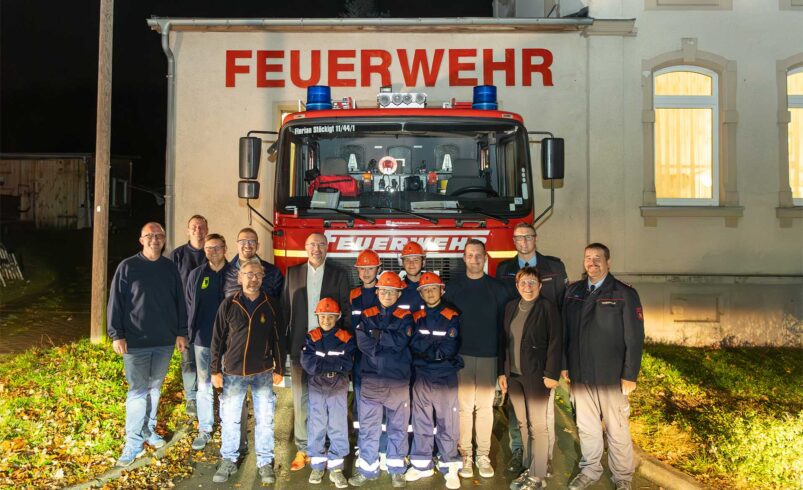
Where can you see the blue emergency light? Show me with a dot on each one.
(485, 98)
(319, 97)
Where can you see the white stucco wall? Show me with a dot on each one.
(596, 105)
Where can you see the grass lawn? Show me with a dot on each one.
(733, 418)
(62, 413)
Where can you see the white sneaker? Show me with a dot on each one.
(414, 473)
(383, 462)
(484, 465)
(452, 480)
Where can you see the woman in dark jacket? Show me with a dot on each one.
(529, 360)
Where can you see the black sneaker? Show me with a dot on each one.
(398, 480)
(316, 476)
(359, 480)
(224, 471)
(519, 482)
(267, 474)
(514, 465)
(623, 485)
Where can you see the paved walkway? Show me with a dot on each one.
(565, 460)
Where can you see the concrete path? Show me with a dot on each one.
(566, 456)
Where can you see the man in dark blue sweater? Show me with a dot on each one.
(481, 300)
(204, 293)
(147, 316)
(188, 257)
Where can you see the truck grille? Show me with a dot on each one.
(446, 267)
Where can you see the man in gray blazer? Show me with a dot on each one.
(304, 286)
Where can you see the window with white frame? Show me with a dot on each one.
(794, 92)
(686, 156)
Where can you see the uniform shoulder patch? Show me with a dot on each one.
(343, 335)
(355, 293)
(316, 334)
(372, 311)
(419, 315)
(401, 313)
(448, 313)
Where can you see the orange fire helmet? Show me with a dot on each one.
(390, 280)
(368, 258)
(412, 249)
(327, 306)
(430, 279)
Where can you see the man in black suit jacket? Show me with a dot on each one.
(304, 286)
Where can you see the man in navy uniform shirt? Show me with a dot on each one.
(603, 339)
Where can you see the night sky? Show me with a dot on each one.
(48, 51)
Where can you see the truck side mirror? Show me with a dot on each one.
(248, 189)
(552, 158)
(250, 149)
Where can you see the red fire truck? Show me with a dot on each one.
(376, 178)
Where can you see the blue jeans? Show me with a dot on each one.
(231, 404)
(188, 376)
(206, 396)
(145, 371)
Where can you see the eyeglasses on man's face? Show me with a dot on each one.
(246, 242)
(523, 238)
(528, 283)
(215, 249)
(154, 236)
(252, 275)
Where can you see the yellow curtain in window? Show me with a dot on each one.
(683, 153)
(796, 152)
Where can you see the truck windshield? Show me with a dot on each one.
(430, 166)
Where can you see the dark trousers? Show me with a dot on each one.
(530, 404)
(393, 397)
(435, 399)
(328, 397)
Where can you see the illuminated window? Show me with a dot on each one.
(686, 136)
(794, 92)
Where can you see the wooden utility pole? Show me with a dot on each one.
(100, 211)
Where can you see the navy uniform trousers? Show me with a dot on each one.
(435, 398)
(327, 416)
(393, 397)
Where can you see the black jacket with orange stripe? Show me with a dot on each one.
(244, 344)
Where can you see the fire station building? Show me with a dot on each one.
(682, 120)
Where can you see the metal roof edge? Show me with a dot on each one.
(485, 24)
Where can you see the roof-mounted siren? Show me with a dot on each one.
(388, 99)
(485, 98)
(319, 98)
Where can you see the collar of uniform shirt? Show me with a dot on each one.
(532, 262)
(596, 284)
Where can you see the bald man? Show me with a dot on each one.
(305, 285)
(147, 318)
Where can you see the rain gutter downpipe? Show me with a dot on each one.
(170, 146)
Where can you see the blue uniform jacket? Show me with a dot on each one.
(361, 299)
(327, 352)
(383, 337)
(193, 287)
(436, 342)
(410, 298)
